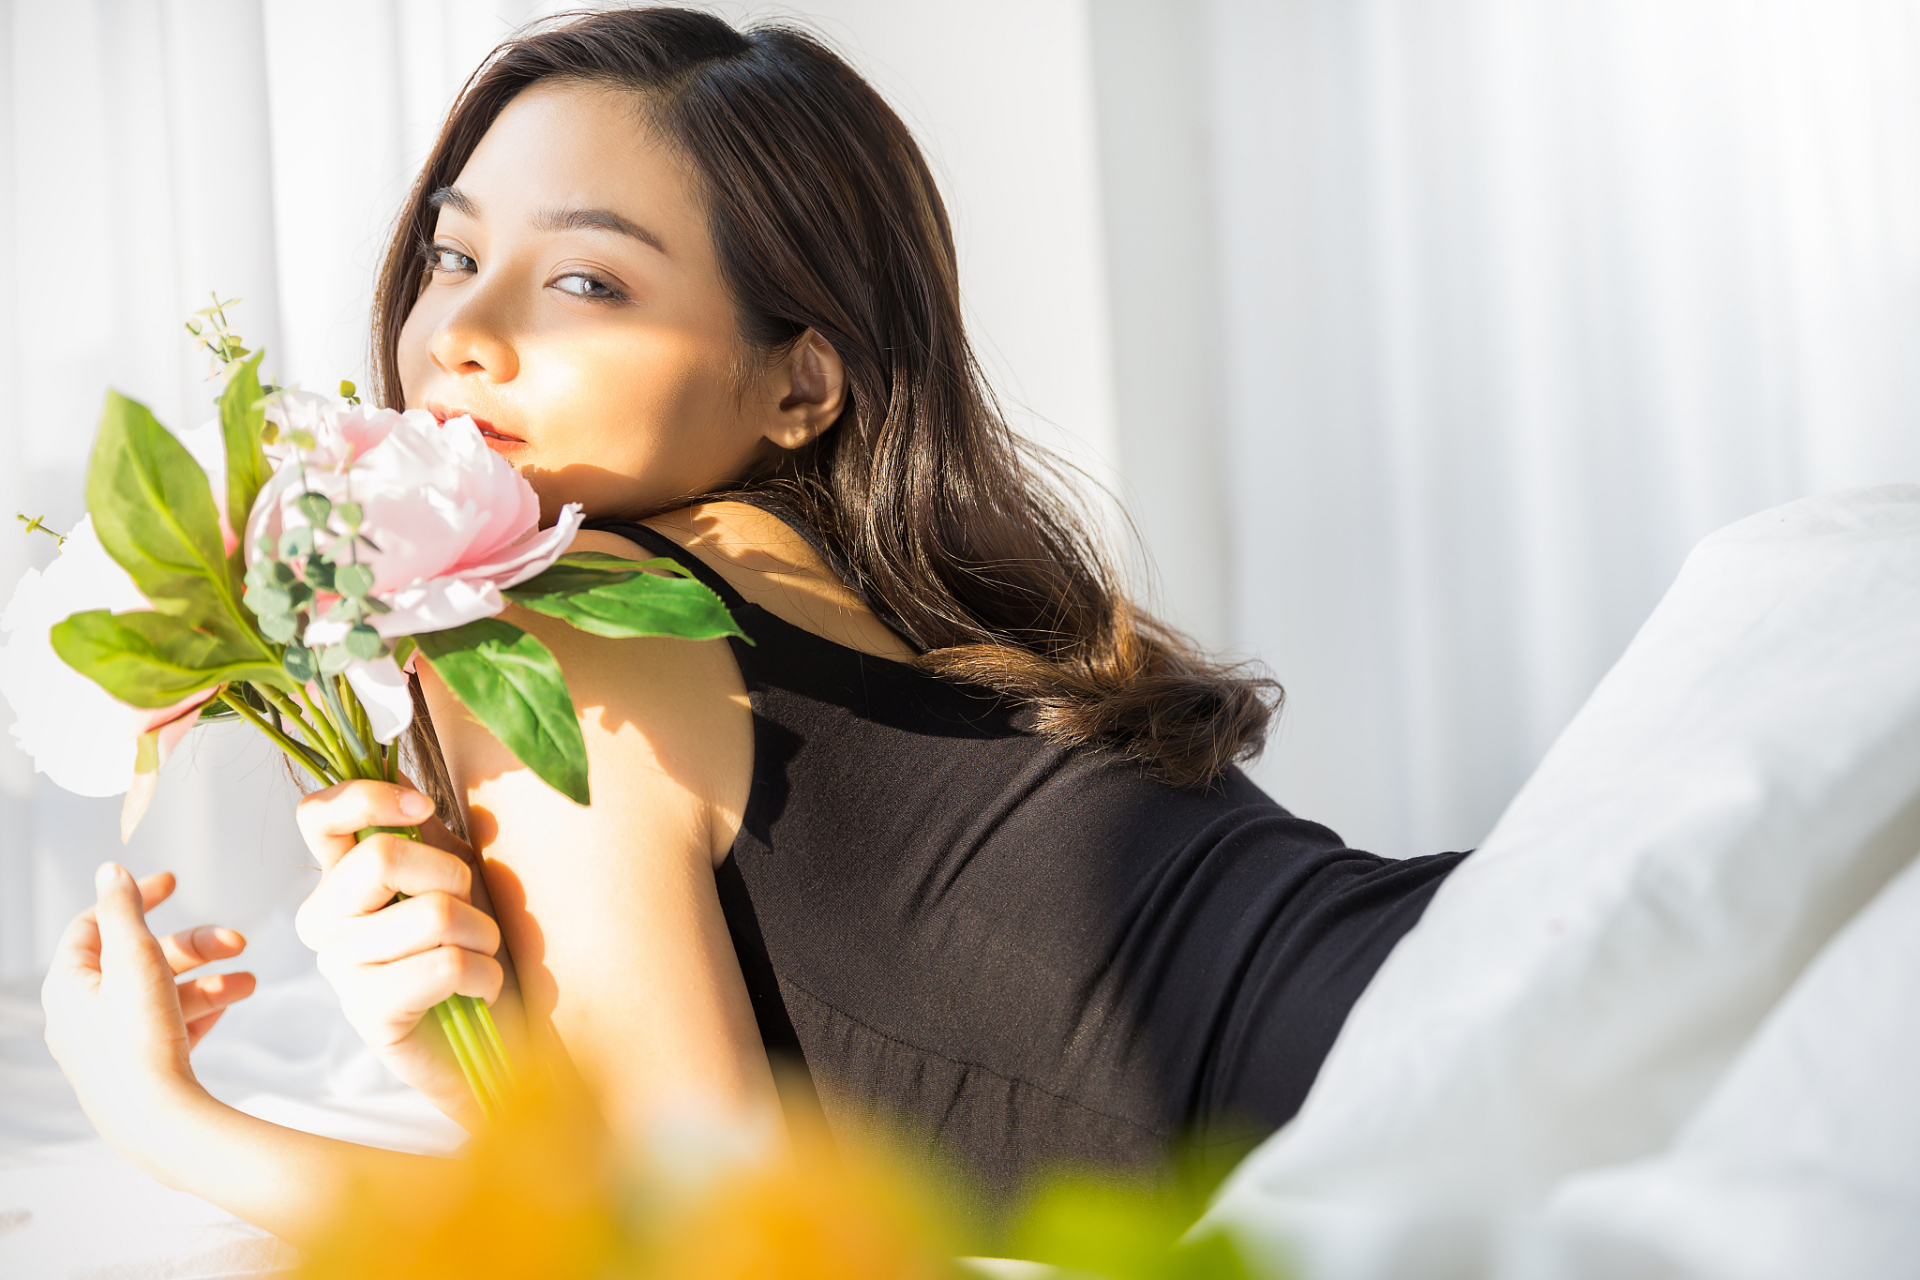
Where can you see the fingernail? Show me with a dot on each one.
(415, 805)
(105, 878)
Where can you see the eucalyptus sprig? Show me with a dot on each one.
(210, 329)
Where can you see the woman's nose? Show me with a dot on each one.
(475, 340)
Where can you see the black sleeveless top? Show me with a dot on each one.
(1027, 955)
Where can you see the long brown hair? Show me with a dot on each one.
(825, 217)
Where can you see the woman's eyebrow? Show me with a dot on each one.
(455, 199)
(595, 220)
(554, 219)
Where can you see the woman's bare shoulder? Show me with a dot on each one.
(665, 722)
(769, 564)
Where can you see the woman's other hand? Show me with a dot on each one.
(391, 962)
(118, 1022)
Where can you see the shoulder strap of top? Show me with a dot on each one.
(662, 545)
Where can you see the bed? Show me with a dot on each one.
(1664, 1023)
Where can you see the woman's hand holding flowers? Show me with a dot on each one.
(118, 1022)
(392, 962)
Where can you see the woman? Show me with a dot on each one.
(960, 831)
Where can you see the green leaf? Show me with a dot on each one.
(353, 580)
(316, 507)
(512, 684)
(152, 660)
(300, 663)
(1096, 1225)
(268, 600)
(609, 596)
(242, 414)
(154, 512)
(216, 710)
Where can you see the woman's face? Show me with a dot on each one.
(576, 310)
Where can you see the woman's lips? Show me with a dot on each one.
(497, 440)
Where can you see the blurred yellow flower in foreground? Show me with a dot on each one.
(544, 1195)
(547, 1194)
(533, 1197)
(830, 1211)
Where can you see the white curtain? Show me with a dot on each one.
(1520, 299)
(1421, 337)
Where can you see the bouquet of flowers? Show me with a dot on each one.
(286, 565)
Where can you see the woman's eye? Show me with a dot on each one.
(584, 286)
(441, 258)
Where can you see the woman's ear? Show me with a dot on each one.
(812, 386)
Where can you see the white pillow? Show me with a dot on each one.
(1805, 1161)
(1740, 785)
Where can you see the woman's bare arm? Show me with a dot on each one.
(610, 911)
(282, 1180)
(122, 1029)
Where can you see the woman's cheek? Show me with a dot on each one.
(411, 359)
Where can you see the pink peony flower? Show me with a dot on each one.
(448, 525)
(78, 734)
(450, 522)
(340, 433)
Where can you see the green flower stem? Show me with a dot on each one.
(469, 1065)
(322, 731)
(356, 750)
(285, 707)
(335, 747)
(488, 1035)
(475, 1024)
(479, 1049)
(318, 741)
(472, 1058)
(360, 720)
(298, 750)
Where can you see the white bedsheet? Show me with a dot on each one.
(1666, 1022)
(71, 1209)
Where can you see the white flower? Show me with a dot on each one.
(78, 734)
(382, 689)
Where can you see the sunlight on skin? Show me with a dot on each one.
(607, 367)
(576, 310)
